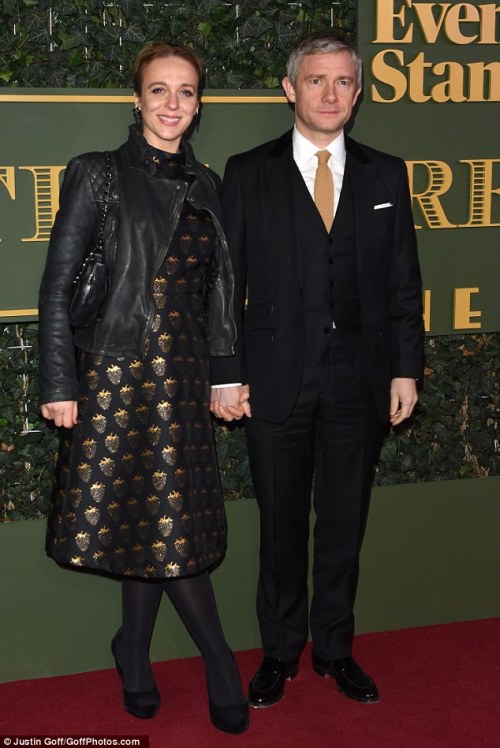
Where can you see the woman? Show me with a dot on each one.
(137, 488)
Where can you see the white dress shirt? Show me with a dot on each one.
(304, 155)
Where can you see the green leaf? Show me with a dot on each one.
(205, 27)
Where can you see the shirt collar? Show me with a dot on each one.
(304, 150)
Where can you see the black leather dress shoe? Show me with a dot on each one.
(352, 681)
(268, 684)
(141, 704)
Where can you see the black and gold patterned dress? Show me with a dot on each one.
(137, 486)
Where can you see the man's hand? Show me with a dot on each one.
(403, 399)
(231, 403)
(64, 413)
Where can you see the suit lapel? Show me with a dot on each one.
(364, 188)
(280, 178)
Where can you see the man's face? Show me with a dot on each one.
(324, 95)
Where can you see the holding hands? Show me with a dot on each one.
(231, 403)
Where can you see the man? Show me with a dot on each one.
(331, 348)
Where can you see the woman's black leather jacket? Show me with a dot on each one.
(142, 214)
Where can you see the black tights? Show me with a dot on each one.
(194, 601)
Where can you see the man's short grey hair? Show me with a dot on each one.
(319, 43)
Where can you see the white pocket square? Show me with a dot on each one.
(382, 205)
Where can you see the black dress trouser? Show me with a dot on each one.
(334, 435)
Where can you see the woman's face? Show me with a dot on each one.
(168, 101)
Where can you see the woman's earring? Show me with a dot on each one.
(137, 114)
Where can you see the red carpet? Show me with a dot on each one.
(439, 685)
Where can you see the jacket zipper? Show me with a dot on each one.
(150, 322)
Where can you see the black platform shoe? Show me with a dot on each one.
(232, 719)
(141, 704)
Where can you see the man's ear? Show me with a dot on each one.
(289, 90)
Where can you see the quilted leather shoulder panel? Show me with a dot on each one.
(95, 164)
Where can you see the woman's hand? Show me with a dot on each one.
(64, 413)
(231, 403)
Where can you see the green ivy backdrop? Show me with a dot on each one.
(90, 43)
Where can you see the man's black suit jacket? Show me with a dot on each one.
(258, 207)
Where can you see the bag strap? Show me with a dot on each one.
(107, 188)
(98, 247)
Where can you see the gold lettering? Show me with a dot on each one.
(451, 89)
(427, 310)
(477, 81)
(417, 68)
(433, 18)
(481, 191)
(46, 180)
(385, 26)
(430, 27)
(455, 88)
(462, 313)
(388, 75)
(488, 23)
(8, 179)
(439, 180)
(459, 14)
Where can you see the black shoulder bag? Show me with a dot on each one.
(90, 284)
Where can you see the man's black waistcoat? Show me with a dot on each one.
(330, 271)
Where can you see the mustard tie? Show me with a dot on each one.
(323, 189)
